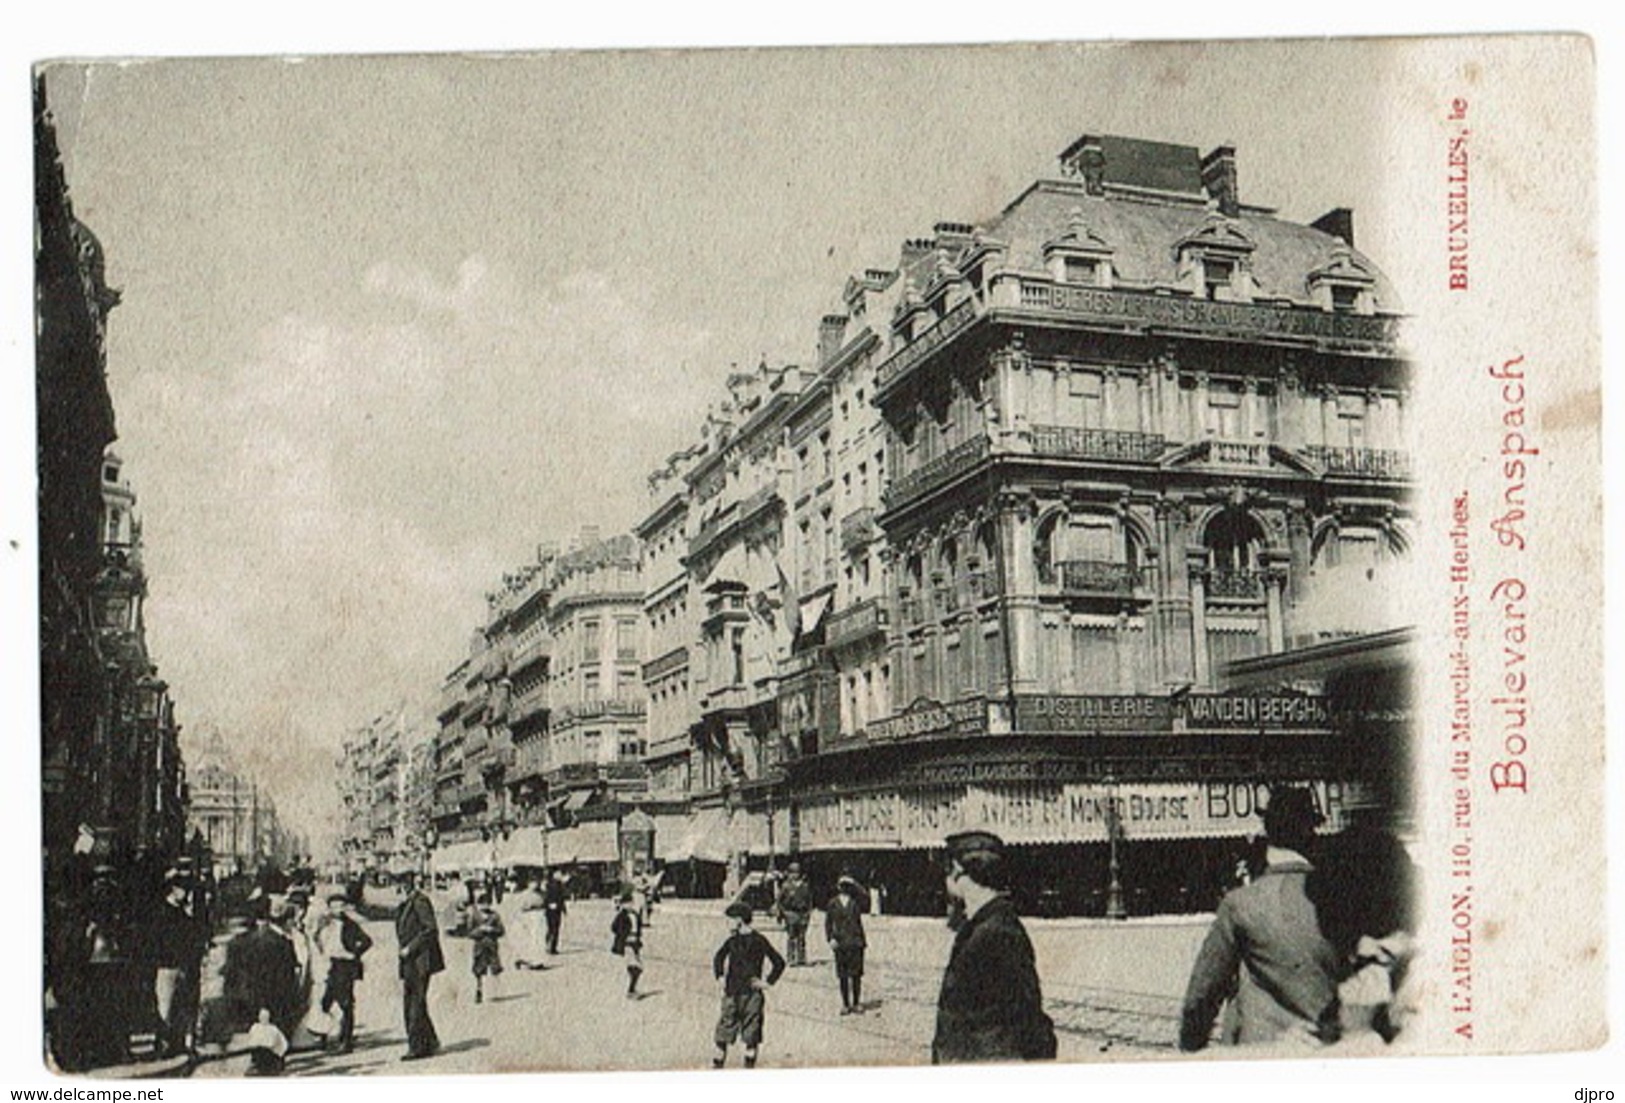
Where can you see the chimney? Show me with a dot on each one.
(1339, 222)
(1086, 160)
(830, 332)
(1219, 178)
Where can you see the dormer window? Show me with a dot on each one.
(1344, 284)
(1079, 256)
(1215, 260)
(1218, 276)
(1081, 270)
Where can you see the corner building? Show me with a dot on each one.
(1136, 432)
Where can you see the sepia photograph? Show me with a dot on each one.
(784, 558)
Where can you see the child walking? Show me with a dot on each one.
(843, 926)
(485, 928)
(627, 927)
(738, 965)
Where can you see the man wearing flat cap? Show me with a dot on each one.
(991, 1007)
(738, 965)
(1266, 950)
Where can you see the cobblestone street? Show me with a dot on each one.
(574, 1014)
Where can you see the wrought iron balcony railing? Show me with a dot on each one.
(1376, 463)
(1111, 445)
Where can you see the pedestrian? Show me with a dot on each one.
(179, 941)
(991, 1007)
(555, 908)
(267, 1047)
(1265, 948)
(343, 942)
(627, 929)
(485, 929)
(262, 970)
(298, 928)
(531, 947)
(843, 927)
(738, 965)
(420, 959)
(1363, 889)
(795, 909)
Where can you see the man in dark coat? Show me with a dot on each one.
(179, 941)
(843, 927)
(795, 909)
(262, 972)
(553, 908)
(421, 958)
(991, 1006)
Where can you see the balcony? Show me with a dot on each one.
(765, 498)
(1092, 578)
(1238, 453)
(854, 623)
(1235, 584)
(901, 363)
(628, 707)
(666, 664)
(1367, 463)
(528, 704)
(951, 464)
(1120, 308)
(857, 528)
(1109, 445)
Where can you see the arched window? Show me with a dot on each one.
(1234, 541)
(947, 576)
(1045, 552)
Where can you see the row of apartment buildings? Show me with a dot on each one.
(1083, 526)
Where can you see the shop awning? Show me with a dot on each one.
(461, 857)
(526, 847)
(577, 800)
(752, 834)
(703, 835)
(589, 842)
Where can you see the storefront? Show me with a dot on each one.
(1173, 785)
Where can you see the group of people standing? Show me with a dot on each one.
(274, 970)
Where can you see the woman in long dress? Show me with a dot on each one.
(530, 946)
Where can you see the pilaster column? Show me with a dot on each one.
(1196, 570)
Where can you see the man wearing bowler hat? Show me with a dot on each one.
(421, 958)
(991, 1007)
(1266, 949)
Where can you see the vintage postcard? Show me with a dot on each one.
(802, 557)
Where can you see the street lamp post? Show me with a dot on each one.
(1115, 908)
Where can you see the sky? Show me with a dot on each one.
(389, 322)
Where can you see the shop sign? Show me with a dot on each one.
(968, 717)
(860, 820)
(1094, 713)
(1051, 812)
(1255, 711)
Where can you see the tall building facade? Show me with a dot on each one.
(1080, 528)
(113, 779)
(1137, 432)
